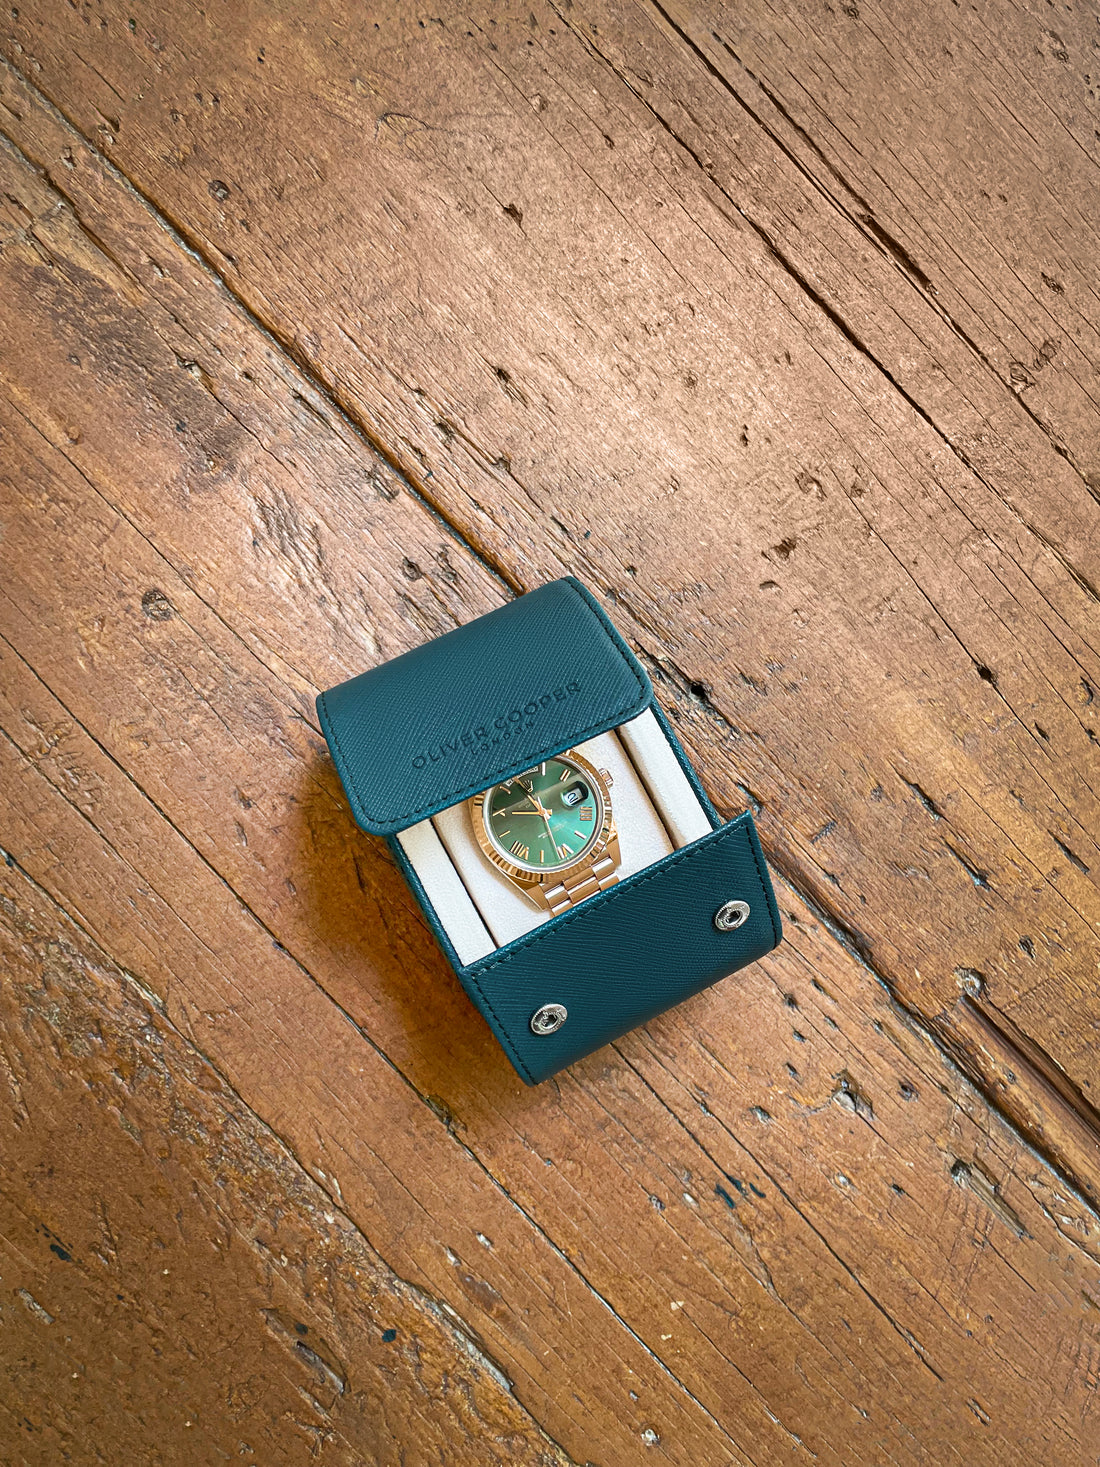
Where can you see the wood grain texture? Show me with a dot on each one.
(645, 385)
(329, 339)
(998, 106)
(152, 1208)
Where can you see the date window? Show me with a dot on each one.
(574, 795)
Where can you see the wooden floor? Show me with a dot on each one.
(323, 330)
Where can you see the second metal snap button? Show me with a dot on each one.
(731, 915)
(549, 1018)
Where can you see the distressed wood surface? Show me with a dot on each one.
(321, 338)
(210, 1219)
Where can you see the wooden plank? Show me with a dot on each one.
(591, 354)
(176, 1287)
(963, 143)
(605, 1236)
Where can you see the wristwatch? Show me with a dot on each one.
(550, 831)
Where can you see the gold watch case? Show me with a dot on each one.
(606, 842)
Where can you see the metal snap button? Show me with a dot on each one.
(549, 1018)
(731, 915)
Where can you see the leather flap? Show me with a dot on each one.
(628, 953)
(479, 704)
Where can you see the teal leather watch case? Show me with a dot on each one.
(487, 701)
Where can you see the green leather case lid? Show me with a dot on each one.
(479, 704)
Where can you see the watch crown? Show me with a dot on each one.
(607, 777)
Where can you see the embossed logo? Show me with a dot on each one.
(484, 736)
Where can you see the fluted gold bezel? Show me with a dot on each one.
(524, 876)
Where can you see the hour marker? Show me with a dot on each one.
(586, 812)
(522, 851)
(542, 769)
(542, 856)
(564, 850)
(579, 834)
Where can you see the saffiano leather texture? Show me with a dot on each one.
(487, 701)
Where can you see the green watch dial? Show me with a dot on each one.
(546, 818)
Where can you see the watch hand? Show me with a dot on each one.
(515, 810)
(546, 818)
(543, 814)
